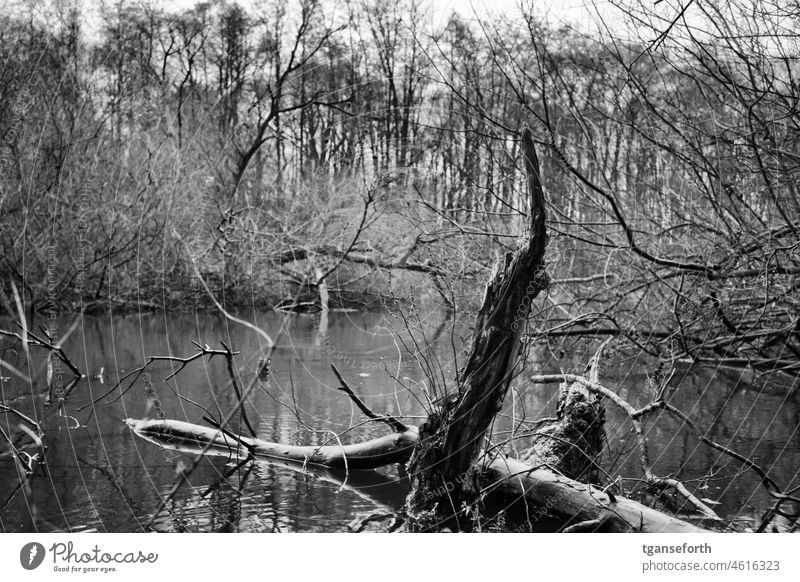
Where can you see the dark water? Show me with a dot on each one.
(100, 477)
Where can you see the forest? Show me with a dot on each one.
(577, 247)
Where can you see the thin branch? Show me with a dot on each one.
(389, 420)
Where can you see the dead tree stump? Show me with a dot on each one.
(452, 437)
(572, 444)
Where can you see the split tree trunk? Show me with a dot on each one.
(452, 436)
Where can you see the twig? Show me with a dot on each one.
(33, 423)
(388, 419)
(138, 372)
(255, 328)
(29, 339)
(769, 484)
(229, 434)
(367, 201)
(204, 351)
(237, 389)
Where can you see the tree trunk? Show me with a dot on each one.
(452, 436)
(546, 492)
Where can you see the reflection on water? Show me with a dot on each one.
(100, 477)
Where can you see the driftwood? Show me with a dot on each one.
(385, 450)
(385, 492)
(570, 500)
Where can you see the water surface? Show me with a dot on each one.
(100, 477)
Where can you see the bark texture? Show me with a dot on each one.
(572, 445)
(576, 503)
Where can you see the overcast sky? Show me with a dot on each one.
(578, 13)
(581, 15)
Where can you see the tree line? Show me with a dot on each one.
(273, 150)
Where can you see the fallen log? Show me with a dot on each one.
(570, 500)
(384, 491)
(576, 502)
(386, 450)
